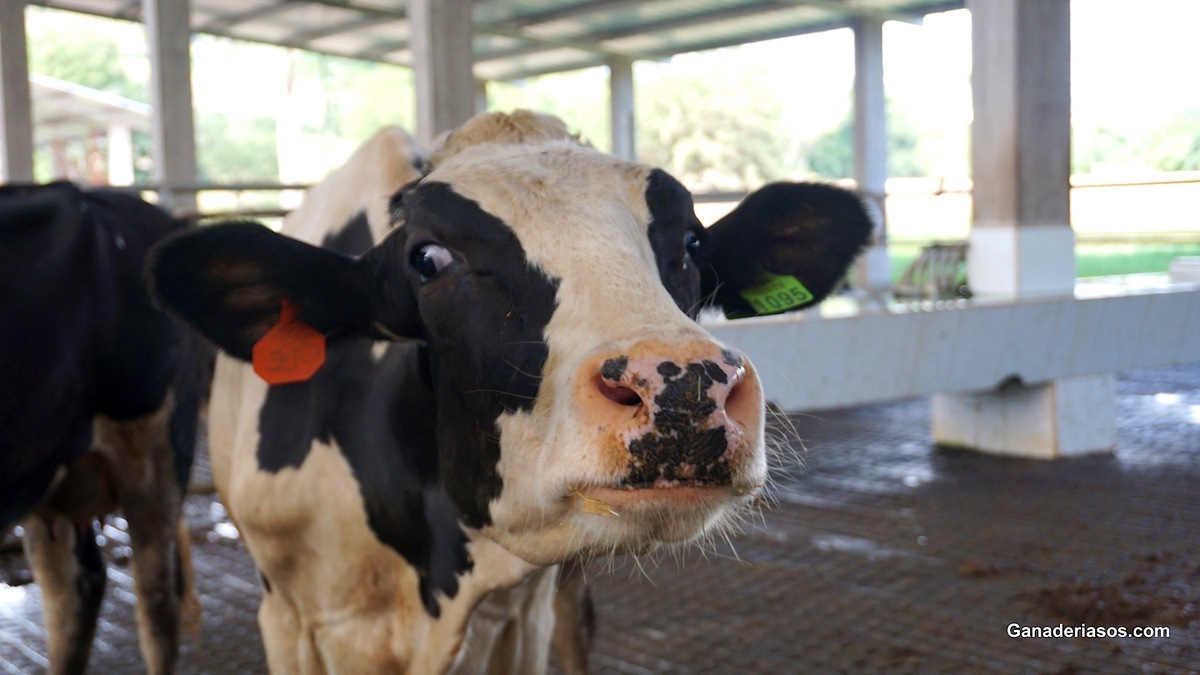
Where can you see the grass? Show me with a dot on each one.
(1095, 260)
(1091, 260)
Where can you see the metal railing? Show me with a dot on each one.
(237, 188)
(944, 186)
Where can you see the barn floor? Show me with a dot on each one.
(883, 554)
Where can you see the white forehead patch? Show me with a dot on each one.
(580, 216)
(561, 199)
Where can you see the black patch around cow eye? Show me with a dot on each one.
(429, 259)
(692, 242)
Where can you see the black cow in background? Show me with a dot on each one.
(98, 410)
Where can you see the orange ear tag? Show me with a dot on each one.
(291, 351)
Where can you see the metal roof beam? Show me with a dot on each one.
(230, 20)
(305, 36)
(132, 10)
(398, 13)
(710, 16)
(537, 44)
(856, 10)
(380, 50)
(735, 40)
(522, 73)
(567, 12)
(542, 43)
(689, 20)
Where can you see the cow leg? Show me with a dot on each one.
(280, 629)
(69, 569)
(574, 620)
(150, 497)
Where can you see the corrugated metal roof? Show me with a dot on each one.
(520, 38)
(68, 110)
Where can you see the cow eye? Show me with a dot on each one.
(691, 242)
(429, 259)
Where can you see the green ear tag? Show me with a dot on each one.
(778, 294)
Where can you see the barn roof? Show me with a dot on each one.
(68, 110)
(521, 38)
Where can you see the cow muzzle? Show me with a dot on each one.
(675, 415)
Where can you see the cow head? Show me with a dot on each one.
(580, 407)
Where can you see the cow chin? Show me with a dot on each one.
(598, 520)
(635, 520)
(591, 508)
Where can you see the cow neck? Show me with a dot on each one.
(380, 414)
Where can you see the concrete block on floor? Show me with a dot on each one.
(1068, 417)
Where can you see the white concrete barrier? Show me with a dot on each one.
(840, 358)
(1185, 269)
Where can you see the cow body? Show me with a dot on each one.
(294, 465)
(97, 408)
(513, 380)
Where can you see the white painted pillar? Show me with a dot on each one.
(1022, 244)
(481, 96)
(620, 98)
(872, 272)
(120, 154)
(1021, 240)
(60, 166)
(16, 106)
(442, 55)
(168, 36)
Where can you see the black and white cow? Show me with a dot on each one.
(513, 379)
(97, 410)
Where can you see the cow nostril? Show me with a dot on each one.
(619, 394)
(743, 402)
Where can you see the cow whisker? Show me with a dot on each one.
(514, 367)
(498, 391)
(637, 560)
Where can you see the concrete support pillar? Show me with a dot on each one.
(481, 96)
(621, 122)
(120, 154)
(1021, 241)
(168, 36)
(16, 106)
(440, 33)
(61, 167)
(1022, 244)
(873, 271)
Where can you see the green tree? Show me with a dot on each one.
(85, 57)
(579, 99)
(378, 97)
(1091, 148)
(712, 129)
(360, 97)
(832, 154)
(1175, 146)
(234, 150)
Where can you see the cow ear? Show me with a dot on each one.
(785, 247)
(229, 281)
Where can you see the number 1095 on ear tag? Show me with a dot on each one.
(292, 351)
(778, 294)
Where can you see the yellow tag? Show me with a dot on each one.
(595, 506)
(778, 294)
